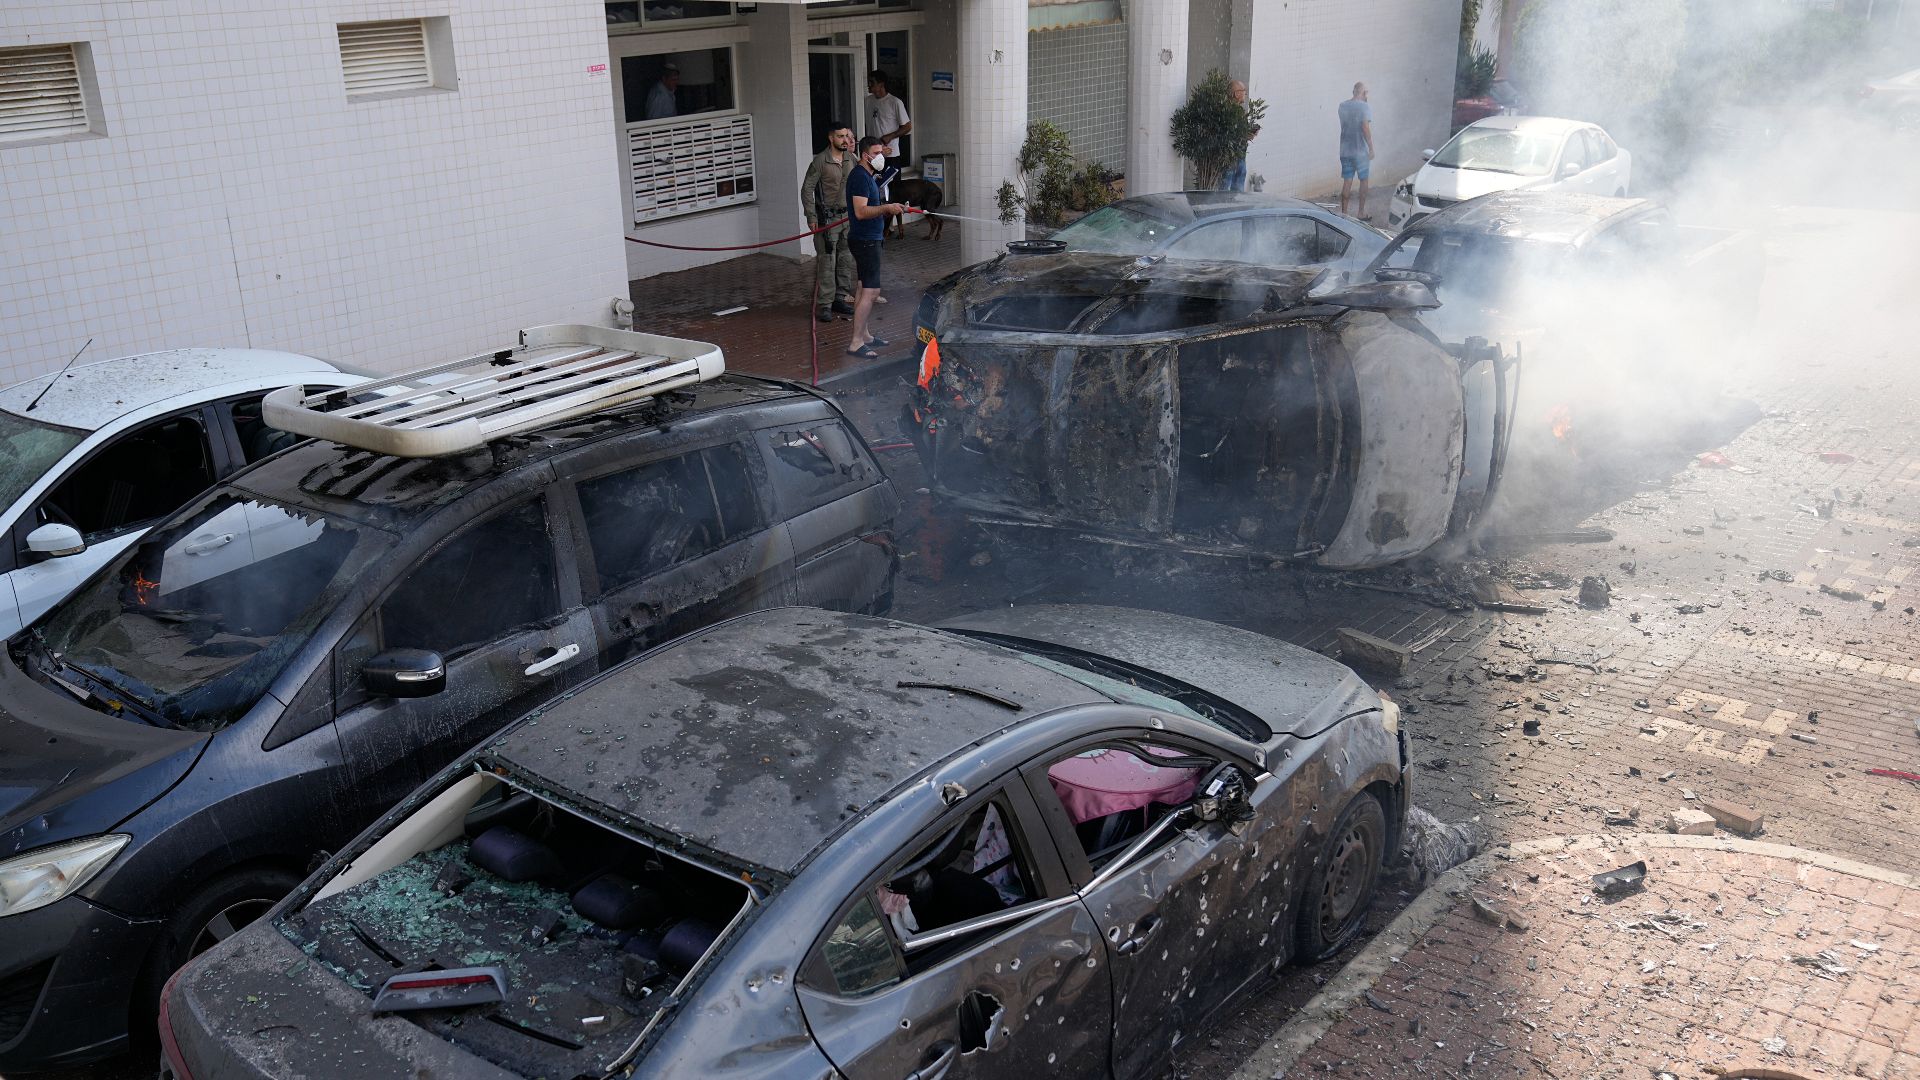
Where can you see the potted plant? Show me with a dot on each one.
(1212, 130)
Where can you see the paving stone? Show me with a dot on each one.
(1690, 822)
(1740, 818)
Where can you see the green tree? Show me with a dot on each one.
(1212, 130)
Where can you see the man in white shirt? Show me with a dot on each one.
(661, 101)
(887, 117)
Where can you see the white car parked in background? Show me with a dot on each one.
(1510, 153)
(92, 456)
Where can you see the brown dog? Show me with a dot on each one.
(920, 193)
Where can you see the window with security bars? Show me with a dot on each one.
(396, 56)
(43, 93)
(687, 167)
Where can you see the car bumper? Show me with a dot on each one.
(66, 978)
(1401, 213)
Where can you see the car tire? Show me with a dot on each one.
(206, 918)
(1340, 889)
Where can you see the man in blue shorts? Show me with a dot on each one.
(866, 227)
(1356, 148)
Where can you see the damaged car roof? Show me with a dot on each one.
(764, 759)
(1560, 216)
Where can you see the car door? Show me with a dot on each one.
(1191, 914)
(896, 990)
(839, 510)
(500, 602)
(111, 497)
(1607, 166)
(678, 543)
(1570, 172)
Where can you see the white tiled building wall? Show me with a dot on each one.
(992, 77)
(238, 198)
(1077, 78)
(1304, 57)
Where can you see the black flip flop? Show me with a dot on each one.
(878, 342)
(864, 354)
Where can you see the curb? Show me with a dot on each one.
(1331, 1004)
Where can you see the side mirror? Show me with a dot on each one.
(405, 673)
(1427, 155)
(1571, 168)
(54, 541)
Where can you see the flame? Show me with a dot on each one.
(144, 590)
(1561, 419)
(929, 363)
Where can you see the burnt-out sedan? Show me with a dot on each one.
(1208, 407)
(805, 844)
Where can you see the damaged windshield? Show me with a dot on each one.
(193, 623)
(1120, 230)
(27, 450)
(1498, 150)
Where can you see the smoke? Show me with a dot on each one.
(1788, 189)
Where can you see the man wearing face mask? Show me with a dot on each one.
(866, 227)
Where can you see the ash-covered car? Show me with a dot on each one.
(802, 844)
(1211, 408)
(262, 675)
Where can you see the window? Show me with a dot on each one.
(811, 464)
(1113, 794)
(860, 952)
(1331, 242)
(494, 576)
(1574, 158)
(1282, 240)
(150, 471)
(645, 520)
(257, 438)
(976, 867)
(688, 150)
(1219, 240)
(397, 56)
(48, 92)
(629, 15)
(662, 86)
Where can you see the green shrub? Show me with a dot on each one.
(1212, 130)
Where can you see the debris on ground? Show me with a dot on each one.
(1434, 846)
(1744, 820)
(1896, 774)
(1835, 457)
(1842, 594)
(1688, 822)
(1595, 592)
(1494, 595)
(1714, 459)
(1361, 649)
(1622, 880)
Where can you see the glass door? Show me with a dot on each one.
(891, 51)
(836, 87)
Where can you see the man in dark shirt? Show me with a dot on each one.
(866, 227)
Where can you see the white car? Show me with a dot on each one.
(92, 456)
(1512, 153)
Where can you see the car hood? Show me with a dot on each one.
(67, 771)
(1459, 185)
(1293, 691)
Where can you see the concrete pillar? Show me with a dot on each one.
(774, 69)
(992, 88)
(1156, 86)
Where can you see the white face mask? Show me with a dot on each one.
(879, 160)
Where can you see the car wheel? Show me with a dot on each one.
(1620, 194)
(1340, 889)
(211, 915)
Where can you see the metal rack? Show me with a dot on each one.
(556, 373)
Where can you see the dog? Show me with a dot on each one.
(918, 193)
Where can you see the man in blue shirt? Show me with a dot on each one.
(1356, 147)
(866, 227)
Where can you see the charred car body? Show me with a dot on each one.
(1207, 407)
(803, 844)
(263, 674)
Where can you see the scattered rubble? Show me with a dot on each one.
(1735, 817)
(1690, 822)
(1595, 592)
(1367, 651)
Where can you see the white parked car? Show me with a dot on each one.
(90, 457)
(1512, 153)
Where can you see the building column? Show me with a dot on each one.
(992, 87)
(1156, 86)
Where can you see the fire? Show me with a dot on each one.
(929, 363)
(143, 590)
(1561, 419)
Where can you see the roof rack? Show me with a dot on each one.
(557, 373)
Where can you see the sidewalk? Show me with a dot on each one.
(773, 336)
(1736, 959)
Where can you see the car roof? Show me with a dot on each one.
(1531, 125)
(1181, 207)
(759, 739)
(91, 396)
(394, 492)
(1551, 216)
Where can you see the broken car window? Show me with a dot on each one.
(733, 488)
(1047, 314)
(494, 576)
(812, 463)
(1116, 229)
(645, 520)
(27, 450)
(971, 869)
(1113, 794)
(1218, 241)
(145, 473)
(196, 620)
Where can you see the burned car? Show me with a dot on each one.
(1206, 407)
(266, 672)
(805, 844)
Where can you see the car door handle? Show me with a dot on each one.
(200, 545)
(1142, 930)
(944, 1053)
(560, 656)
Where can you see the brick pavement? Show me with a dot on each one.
(1736, 957)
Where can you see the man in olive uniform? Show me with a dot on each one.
(823, 194)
